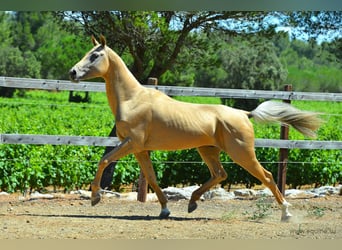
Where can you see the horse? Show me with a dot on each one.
(148, 119)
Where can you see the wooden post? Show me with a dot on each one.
(142, 188)
(153, 81)
(142, 182)
(283, 152)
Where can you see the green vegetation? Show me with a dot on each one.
(39, 166)
(31, 166)
(316, 211)
(262, 210)
(203, 51)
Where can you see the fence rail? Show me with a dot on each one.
(112, 141)
(59, 85)
(283, 144)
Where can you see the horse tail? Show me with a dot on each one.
(304, 121)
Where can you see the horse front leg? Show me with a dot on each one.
(123, 149)
(146, 166)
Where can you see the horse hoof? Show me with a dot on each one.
(285, 214)
(96, 199)
(164, 214)
(286, 218)
(192, 206)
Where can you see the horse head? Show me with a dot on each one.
(94, 64)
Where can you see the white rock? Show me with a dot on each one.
(110, 194)
(326, 190)
(83, 194)
(4, 193)
(151, 197)
(131, 196)
(245, 192)
(295, 193)
(218, 194)
(37, 195)
(173, 193)
(264, 192)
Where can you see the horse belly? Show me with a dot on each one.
(177, 143)
(170, 139)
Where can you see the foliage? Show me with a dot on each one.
(33, 45)
(249, 62)
(316, 211)
(312, 67)
(5, 30)
(60, 50)
(210, 49)
(262, 210)
(24, 167)
(314, 23)
(156, 39)
(17, 63)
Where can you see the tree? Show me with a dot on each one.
(38, 41)
(314, 24)
(5, 29)
(17, 52)
(15, 63)
(26, 26)
(59, 52)
(153, 39)
(334, 48)
(247, 62)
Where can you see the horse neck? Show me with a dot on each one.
(121, 85)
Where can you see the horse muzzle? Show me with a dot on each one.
(73, 75)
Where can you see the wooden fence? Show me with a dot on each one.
(58, 85)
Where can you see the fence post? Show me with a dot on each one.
(142, 182)
(283, 152)
(142, 187)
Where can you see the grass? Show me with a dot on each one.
(263, 209)
(230, 215)
(316, 212)
(44, 112)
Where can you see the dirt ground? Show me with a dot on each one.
(72, 217)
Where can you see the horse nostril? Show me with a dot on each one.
(72, 74)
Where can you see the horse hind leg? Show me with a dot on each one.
(247, 160)
(211, 156)
(267, 179)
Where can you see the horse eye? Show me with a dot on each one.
(93, 57)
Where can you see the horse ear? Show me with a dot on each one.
(95, 42)
(103, 40)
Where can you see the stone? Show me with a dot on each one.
(296, 193)
(219, 194)
(245, 192)
(37, 195)
(83, 194)
(110, 194)
(326, 190)
(174, 193)
(264, 192)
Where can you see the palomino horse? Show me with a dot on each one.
(147, 119)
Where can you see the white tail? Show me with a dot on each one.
(304, 121)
